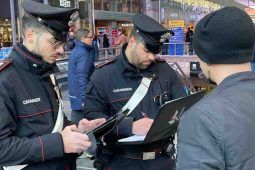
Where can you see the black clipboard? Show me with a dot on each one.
(112, 122)
(166, 122)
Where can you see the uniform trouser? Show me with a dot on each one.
(77, 115)
(160, 163)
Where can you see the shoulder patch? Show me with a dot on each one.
(5, 63)
(106, 62)
(159, 59)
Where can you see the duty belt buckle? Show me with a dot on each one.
(148, 155)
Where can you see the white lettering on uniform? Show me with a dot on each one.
(121, 90)
(28, 101)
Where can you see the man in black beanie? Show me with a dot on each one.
(218, 131)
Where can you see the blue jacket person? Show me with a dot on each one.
(80, 68)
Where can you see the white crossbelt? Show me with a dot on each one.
(138, 95)
(58, 125)
(135, 99)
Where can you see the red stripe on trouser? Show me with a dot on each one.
(68, 167)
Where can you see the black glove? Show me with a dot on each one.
(102, 160)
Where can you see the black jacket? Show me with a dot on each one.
(28, 110)
(112, 85)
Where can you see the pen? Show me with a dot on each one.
(144, 114)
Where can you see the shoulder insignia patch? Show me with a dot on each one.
(5, 63)
(106, 62)
(159, 59)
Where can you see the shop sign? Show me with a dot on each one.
(176, 23)
(176, 46)
(127, 25)
(65, 3)
(62, 3)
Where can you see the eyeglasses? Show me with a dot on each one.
(92, 36)
(56, 44)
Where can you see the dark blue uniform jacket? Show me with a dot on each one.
(112, 85)
(28, 110)
(80, 68)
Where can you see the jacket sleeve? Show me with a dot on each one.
(96, 107)
(23, 150)
(200, 142)
(83, 68)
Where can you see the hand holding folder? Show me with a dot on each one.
(166, 122)
(105, 128)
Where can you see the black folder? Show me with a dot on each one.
(112, 122)
(166, 122)
(164, 125)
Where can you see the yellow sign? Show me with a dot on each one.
(176, 23)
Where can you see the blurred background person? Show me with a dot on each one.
(80, 68)
(188, 40)
(74, 25)
(120, 40)
(96, 46)
(106, 43)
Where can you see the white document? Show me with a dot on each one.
(133, 138)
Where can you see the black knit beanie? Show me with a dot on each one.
(225, 36)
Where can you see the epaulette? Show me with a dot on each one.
(5, 63)
(159, 59)
(106, 62)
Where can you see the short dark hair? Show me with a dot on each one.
(82, 32)
(29, 22)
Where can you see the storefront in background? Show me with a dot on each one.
(5, 32)
(6, 23)
(110, 28)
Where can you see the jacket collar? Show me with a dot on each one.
(82, 44)
(233, 79)
(32, 62)
(130, 70)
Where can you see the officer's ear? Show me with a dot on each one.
(29, 35)
(132, 40)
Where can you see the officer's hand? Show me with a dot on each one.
(142, 126)
(86, 125)
(74, 142)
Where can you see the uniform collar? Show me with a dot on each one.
(130, 70)
(32, 62)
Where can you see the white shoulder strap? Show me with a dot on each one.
(60, 119)
(138, 95)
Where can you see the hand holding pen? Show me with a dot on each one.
(142, 126)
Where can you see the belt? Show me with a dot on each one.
(146, 155)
